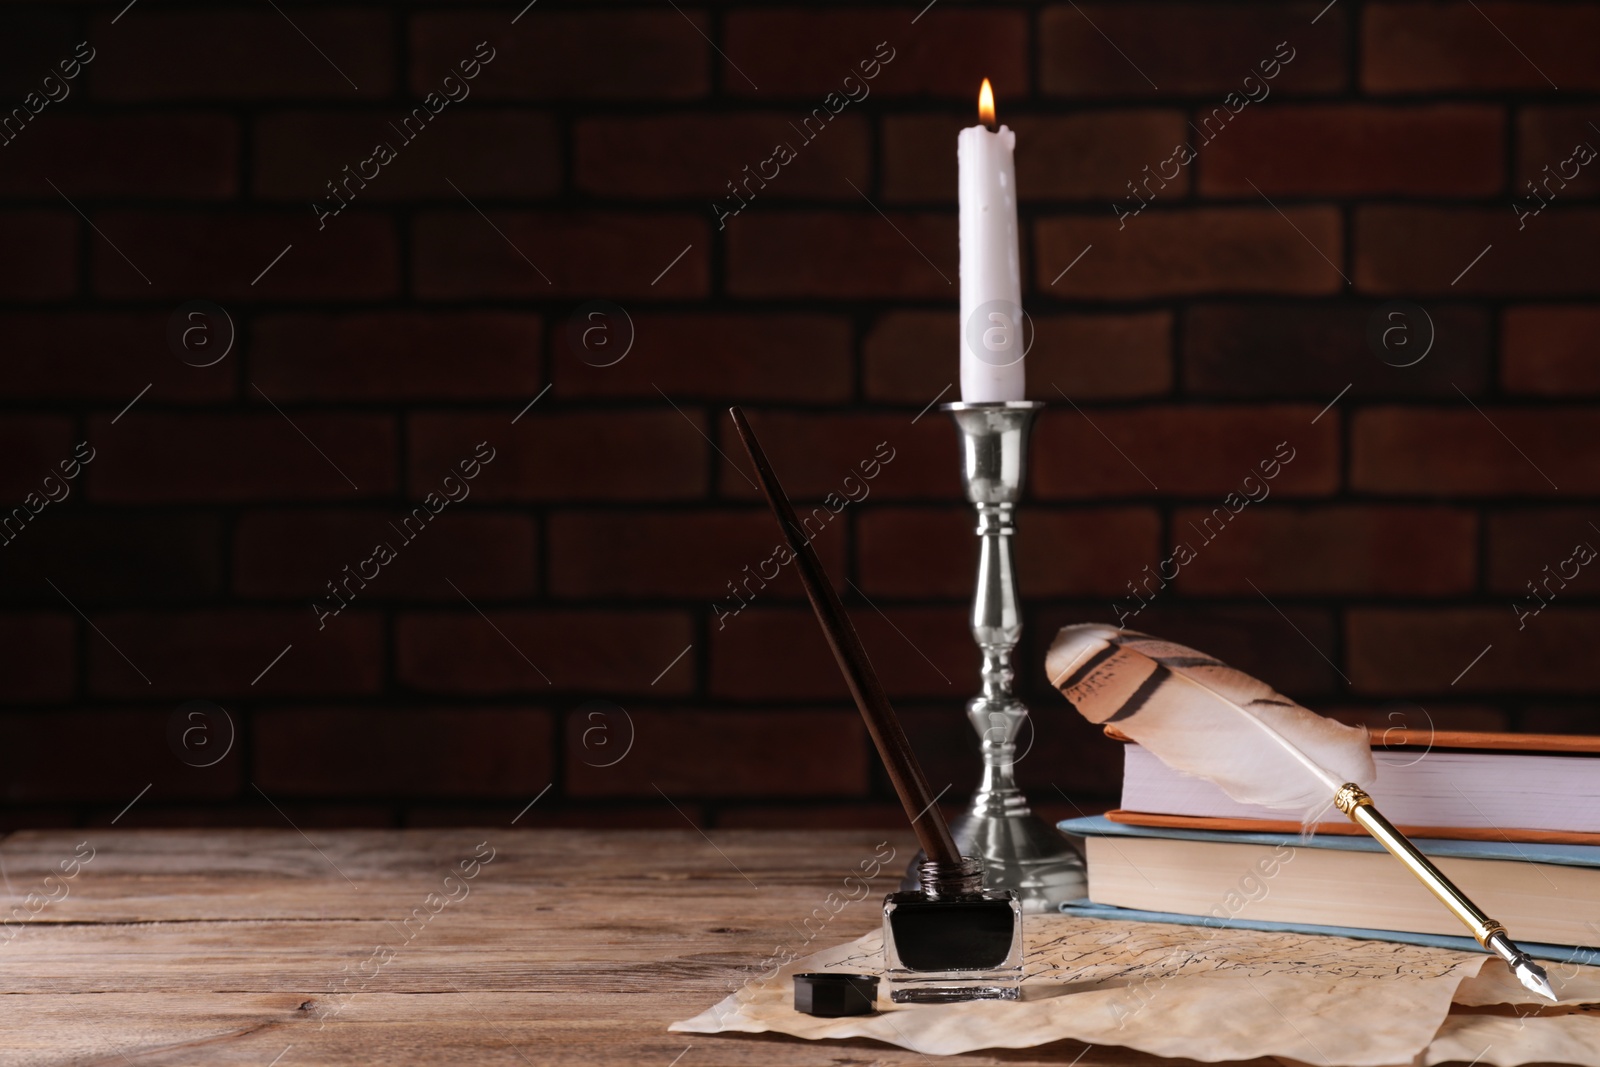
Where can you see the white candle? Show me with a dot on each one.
(991, 279)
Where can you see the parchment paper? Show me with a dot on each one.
(1496, 1023)
(1168, 990)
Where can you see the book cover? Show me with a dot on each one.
(1535, 852)
(1544, 893)
(1539, 788)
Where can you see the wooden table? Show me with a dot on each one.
(262, 947)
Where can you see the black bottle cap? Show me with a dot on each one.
(833, 994)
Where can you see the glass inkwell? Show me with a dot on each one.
(952, 939)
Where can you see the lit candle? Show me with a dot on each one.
(991, 280)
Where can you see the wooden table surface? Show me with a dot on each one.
(263, 947)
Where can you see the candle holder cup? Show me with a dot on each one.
(1018, 850)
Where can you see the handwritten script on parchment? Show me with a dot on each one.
(1087, 951)
(1204, 994)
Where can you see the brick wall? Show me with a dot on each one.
(564, 615)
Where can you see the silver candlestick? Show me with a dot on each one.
(1019, 851)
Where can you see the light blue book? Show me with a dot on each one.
(1559, 855)
(1564, 855)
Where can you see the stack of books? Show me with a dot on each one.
(1512, 819)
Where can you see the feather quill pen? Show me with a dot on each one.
(1203, 718)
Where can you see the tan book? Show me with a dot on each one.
(1289, 882)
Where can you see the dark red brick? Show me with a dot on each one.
(1347, 551)
(397, 356)
(41, 261)
(403, 752)
(878, 816)
(1557, 720)
(167, 155)
(101, 756)
(912, 355)
(231, 653)
(459, 255)
(243, 55)
(1186, 49)
(810, 52)
(107, 357)
(816, 454)
(257, 815)
(1395, 719)
(1419, 48)
(596, 142)
(614, 455)
(1094, 357)
(740, 357)
(946, 746)
(111, 555)
(1063, 763)
(850, 256)
(241, 457)
(1539, 547)
(1443, 150)
(294, 554)
(1546, 140)
(1291, 651)
(917, 552)
(1548, 350)
(1418, 250)
(926, 552)
(232, 256)
(1238, 350)
(490, 154)
(1077, 157)
(917, 652)
(34, 447)
(1083, 553)
(42, 657)
(637, 555)
(743, 753)
(567, 55)
(544, 651)
(696, 156)
(1431, 650)
(35, 42)
(1214, 250)
(1490, 452)
(1184, 450)
(550, 814)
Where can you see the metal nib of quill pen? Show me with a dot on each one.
(1353, 801)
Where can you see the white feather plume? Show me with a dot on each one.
(1203, 718)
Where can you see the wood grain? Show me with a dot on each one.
(568, 947)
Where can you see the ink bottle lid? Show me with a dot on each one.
(834, 994)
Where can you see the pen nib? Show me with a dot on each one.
(1532, 975)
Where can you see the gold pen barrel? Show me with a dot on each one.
(1353, 801)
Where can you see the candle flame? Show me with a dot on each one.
(986, 105)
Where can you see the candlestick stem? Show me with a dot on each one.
(1019, 850)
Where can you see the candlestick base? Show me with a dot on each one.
(1023, 853)
(1019, 851)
